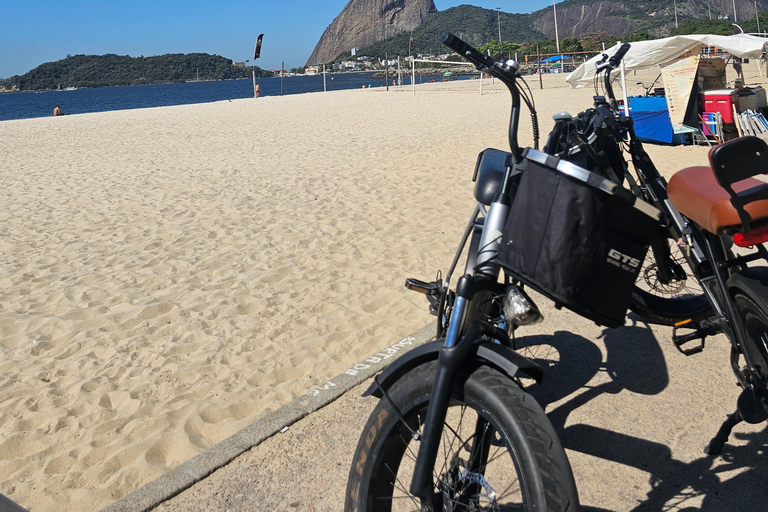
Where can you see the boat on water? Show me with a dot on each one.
(71, 89)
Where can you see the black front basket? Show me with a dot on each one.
(577, 238)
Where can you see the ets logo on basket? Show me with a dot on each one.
(623, 261)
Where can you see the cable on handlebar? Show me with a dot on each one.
(527, 96)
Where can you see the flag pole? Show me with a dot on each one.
(256, 55)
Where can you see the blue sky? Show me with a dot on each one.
(33, 32)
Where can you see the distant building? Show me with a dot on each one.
(355, 51)
(312, 70)
(239, 64)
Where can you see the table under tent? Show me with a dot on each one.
(696, 103)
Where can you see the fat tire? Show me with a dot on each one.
(541, 462)
(749, 289)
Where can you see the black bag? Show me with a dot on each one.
(576, 237)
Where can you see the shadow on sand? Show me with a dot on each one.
(635, 362)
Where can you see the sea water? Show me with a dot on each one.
(23, 105)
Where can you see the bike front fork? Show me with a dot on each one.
(455, 352)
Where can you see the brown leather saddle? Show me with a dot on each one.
(725, 196)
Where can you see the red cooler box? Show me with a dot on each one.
(720, 100)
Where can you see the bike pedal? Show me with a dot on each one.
(433, 288)
(699, 333)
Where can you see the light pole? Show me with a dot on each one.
(734, 11)
(757, 17)
(557, 38)
(498, 17)
(709, 8)
(675, 13)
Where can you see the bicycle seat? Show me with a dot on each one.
(696, 193)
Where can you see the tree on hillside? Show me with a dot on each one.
(703, 26)
(594, 41)
(637, 35)
(495, 47)
(751, 25)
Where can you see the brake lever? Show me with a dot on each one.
(603, 63)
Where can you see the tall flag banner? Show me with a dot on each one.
(257, 50)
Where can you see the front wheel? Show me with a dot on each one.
(498, 450)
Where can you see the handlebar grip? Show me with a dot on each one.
(466, 51)
(616, 59)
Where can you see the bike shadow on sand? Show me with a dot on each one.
(577, 372)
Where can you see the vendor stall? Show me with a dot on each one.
(692, 85)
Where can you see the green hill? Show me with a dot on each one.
(475, 25)
(111, 70)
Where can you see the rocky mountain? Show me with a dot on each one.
(376, 26)
(578, 17)
(365, 22)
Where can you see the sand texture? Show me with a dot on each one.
(169, 275)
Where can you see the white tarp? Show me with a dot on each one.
(646, 54)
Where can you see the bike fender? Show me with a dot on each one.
(494, 355)
(751, 281)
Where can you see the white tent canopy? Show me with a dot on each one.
(646, 54)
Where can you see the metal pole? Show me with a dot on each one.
(757, 16)
(325, 89)
(386, 69)
(675, 14)
(399, 75)
(734, 11)
(624, 89)
(253, 74)
(709, 8)
(481, 83)
(538, 58)
(413, 75)
(498, 16)
(282, 68)
(557, 37)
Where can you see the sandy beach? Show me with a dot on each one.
(170, 275)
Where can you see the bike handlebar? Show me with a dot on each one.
(607, 67)
(506, 73)
(486, 63)
(466, 51)
(616, 59)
